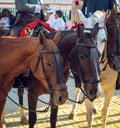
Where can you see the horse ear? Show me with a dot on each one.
(41, 37)
(57, 37)
(80, 30)
(107, 17)
(95, 30)
(102, 20)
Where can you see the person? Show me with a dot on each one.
(50, 17)
(76, 4)
(59, 23)
(68, 24)
(90, 6)
(5, 19)
(27, 11)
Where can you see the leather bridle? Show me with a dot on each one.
(85, 82)
(59, 73)
(108, 25)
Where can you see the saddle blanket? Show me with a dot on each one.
(32, 25)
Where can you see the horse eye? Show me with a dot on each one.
(82, 57)
(49, 64)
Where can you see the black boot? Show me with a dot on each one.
(18, 82)
(118, 82)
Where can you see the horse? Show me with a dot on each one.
(113, 49)
(41, 56)
(108, 74)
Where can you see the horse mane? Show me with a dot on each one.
(79, 29)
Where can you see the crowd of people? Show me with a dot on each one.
(31, 10)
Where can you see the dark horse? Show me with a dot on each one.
(78, 51)
(113, 42)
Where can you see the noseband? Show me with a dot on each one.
(59, 73)
(115, 23)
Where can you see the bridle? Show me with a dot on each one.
(60, 78)
(94, 81)
(108, 25)
(59, 73)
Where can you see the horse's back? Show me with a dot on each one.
(9, 44)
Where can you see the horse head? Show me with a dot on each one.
(85, 61)
(112, 22)
(51, 74)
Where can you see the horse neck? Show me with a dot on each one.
(67, 43)
(18, 53)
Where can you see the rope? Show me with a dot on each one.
(45, 110)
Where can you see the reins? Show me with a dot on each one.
(42, 111)
(51, 89)
(60, 78)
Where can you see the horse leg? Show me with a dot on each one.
(21, 110)
(108, 95)
(2, 104)
(75, 105)
(94, 108)
(53, 116)
(3, 118)
(89, 115)
(32, 102)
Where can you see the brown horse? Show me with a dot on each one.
(41, 56)
(82, 56)
(113, 41)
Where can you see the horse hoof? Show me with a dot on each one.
(4, 122)
(71, 116)
(3, 126)
(24, 120)
(94, 111)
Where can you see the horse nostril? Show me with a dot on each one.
(60, 99)
(113, 65)
(93, 92)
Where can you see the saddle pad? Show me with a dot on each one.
(33, 24)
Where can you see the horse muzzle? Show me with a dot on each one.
(59, 96)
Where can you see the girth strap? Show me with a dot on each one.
(60, 75)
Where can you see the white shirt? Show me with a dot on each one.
(51, 20)
(5, 22)
(59, 24)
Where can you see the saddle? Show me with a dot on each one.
(33, 28)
